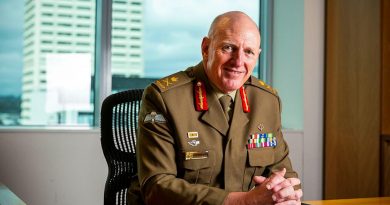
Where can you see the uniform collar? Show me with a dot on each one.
(199, 73)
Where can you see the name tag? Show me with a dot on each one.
(196, 155)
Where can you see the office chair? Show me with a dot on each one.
(119, 120)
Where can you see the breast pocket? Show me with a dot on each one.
(261, 157)
(199, 170)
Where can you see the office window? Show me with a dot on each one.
(45, 79)
(150, 39)
(163, 36)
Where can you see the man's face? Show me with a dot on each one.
(230, 55)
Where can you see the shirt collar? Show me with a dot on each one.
(220, 94)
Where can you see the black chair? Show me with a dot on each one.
(119, 120)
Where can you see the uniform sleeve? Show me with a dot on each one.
(282, 159)
(156, 159)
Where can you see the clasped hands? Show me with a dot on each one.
(275, 189)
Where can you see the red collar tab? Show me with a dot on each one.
(200, 96)
(244, 100)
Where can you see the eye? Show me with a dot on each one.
(227, 48)
(249, 52)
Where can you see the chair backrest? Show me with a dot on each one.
(118, 126)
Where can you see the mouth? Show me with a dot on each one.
(235, 72)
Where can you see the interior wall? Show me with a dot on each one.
(53, 167)
(68, 167)
(313, 99)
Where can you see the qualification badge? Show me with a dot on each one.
(194, 143)
(154, 117)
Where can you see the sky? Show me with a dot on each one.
(173, 30)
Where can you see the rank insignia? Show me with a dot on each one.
(166, 82)
(194, 143)
(261, 140)
(154, 117)
(267, 87)
(200, 96)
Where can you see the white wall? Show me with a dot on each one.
(313, 98)
(53, 167)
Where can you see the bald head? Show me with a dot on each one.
(229, 20)
(230, 51)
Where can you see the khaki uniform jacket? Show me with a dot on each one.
(187, 156)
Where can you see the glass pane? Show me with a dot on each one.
(11, 58)
(155, 38)
(48, 62)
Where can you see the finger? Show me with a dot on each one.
(299, 193)
(276, 178)
(284, 184)
(284, 194)
(295, 196)
(294, 181)
(281, 172)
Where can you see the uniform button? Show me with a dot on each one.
(190, 73)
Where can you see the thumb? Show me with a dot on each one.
(258, 179)
(281, 172)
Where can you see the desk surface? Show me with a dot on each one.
(360, 201)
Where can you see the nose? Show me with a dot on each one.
(238, 58)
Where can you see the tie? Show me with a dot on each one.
(226, 101)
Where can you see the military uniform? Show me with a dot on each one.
(189, 154)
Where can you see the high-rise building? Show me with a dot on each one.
(57, 31)
(126, 38)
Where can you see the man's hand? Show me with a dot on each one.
(258, 195)
(282, 188)
(272, 190)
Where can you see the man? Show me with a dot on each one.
(193, 148)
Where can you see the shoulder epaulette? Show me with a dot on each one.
(172, 81)
(261, 84)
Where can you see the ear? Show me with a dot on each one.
(205, 47)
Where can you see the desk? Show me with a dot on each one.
(360, 201)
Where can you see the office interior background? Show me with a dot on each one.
(61, 58)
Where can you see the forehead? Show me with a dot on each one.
(238, 35)
(240, 28)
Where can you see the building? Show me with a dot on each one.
(57, 30)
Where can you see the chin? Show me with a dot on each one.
(229, 87)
